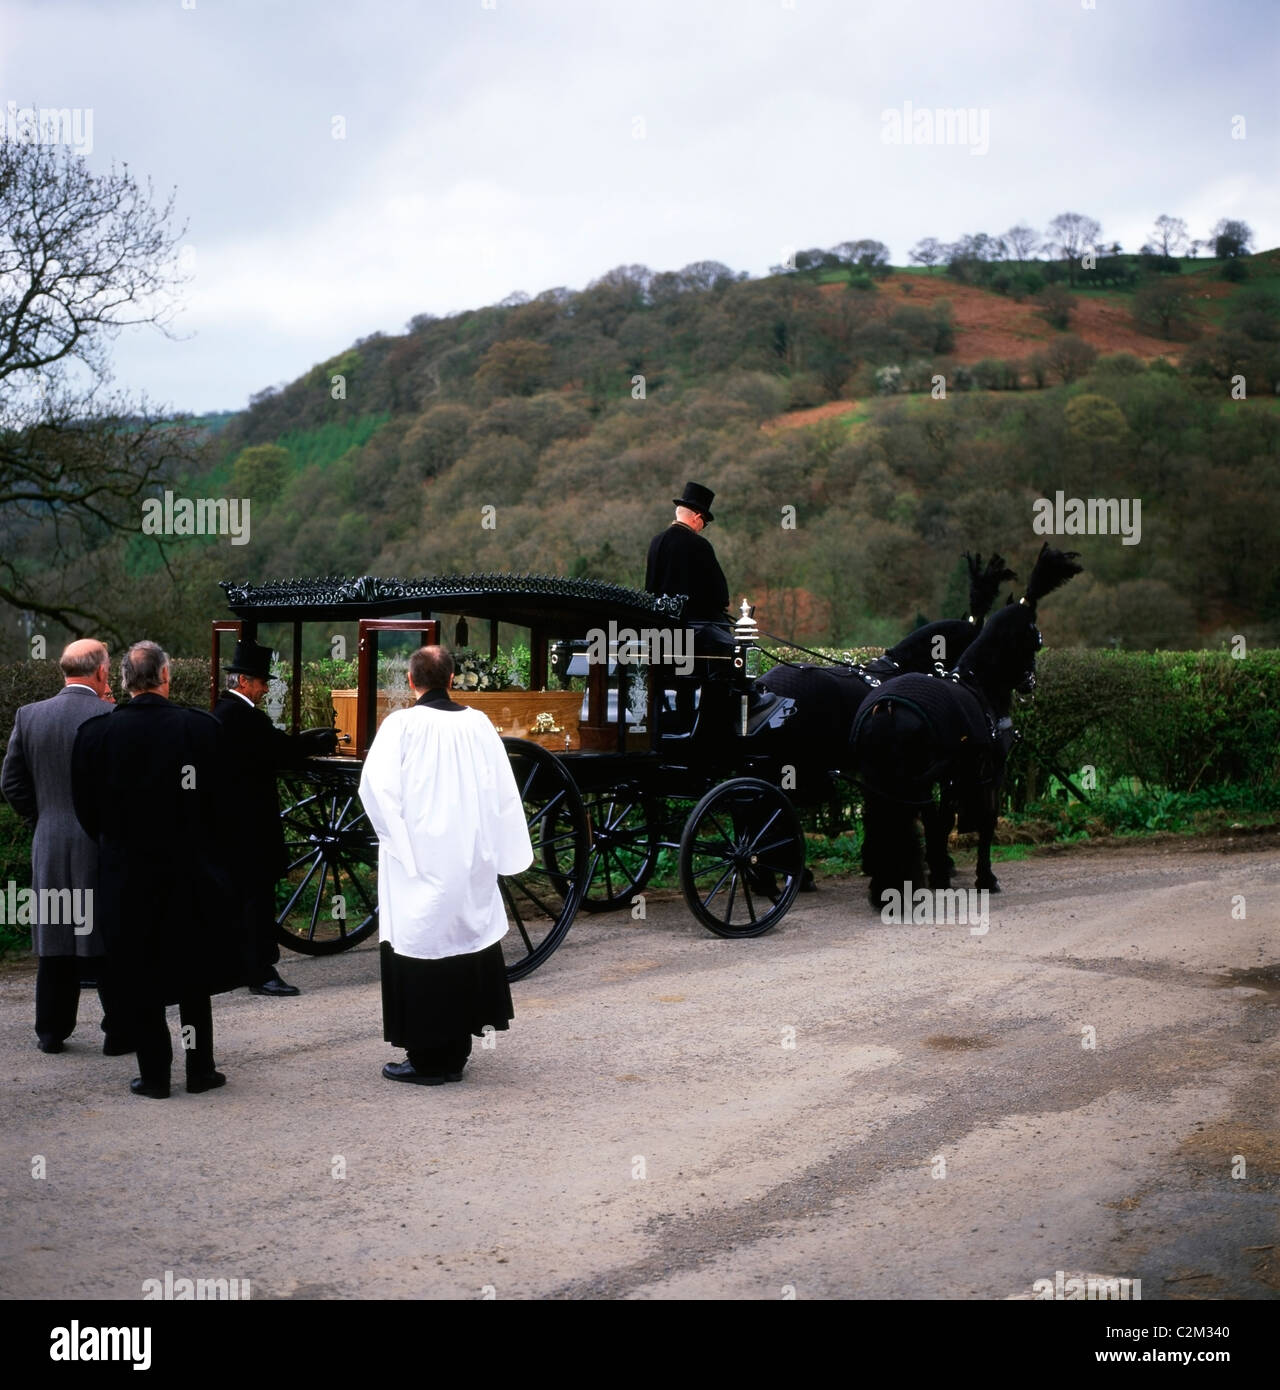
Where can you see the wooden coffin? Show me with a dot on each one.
(511, 712)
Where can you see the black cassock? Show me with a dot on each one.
(683, 562)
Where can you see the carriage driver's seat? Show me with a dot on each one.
(712, 665)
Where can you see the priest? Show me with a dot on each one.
(440, 794)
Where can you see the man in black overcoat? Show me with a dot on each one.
(682, 561)
(149, 787)
(256, 751)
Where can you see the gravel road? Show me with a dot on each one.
(841, 1109)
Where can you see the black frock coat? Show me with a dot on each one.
(683, 562)
(255, 751)
(148, 784)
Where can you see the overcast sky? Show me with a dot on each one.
(500, 145)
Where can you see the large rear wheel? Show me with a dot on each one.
(328, 899)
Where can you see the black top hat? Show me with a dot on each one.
(250, 660)
(698, 499)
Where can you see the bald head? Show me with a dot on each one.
(86, 662)
(82, 658)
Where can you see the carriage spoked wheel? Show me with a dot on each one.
(741, 857)
(626, 828)
(541, 901)
(328, 899)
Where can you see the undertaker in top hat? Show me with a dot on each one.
(255, 751)
(682, 561)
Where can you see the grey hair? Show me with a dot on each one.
(142, 667)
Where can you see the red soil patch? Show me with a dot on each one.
(795, 418)
(993, 325)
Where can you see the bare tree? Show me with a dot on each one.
(928, 251)
(1022, 241)
(1071, 234)
(81, 257)
(1165, 304)
(1169, 235)
(1070, 357)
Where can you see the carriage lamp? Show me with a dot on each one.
(746, 634)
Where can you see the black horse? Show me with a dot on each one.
(828, 698)
(952, 732)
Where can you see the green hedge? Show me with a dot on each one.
(1182, 721)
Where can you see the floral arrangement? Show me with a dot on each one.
(474, 671)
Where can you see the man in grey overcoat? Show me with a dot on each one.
(36, 781)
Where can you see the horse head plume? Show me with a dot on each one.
(1052, 570)
(984, 583)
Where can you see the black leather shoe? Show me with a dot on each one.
(406, 1071)
(118, 1047)
(152, 1090)
(276, 988)
(210, 1081)
(48, 1044)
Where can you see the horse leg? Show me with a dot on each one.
(986, 834)
(938, 821)
(888, 847)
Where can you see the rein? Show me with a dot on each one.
(823, 659)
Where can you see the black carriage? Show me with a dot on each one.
(641, 756)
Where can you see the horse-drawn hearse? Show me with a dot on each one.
(630, 749)
(614, 766)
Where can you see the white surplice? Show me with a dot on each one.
(439, 791)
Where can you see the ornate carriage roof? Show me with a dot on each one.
(541, 601)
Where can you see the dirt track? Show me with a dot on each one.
(643, 1131)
